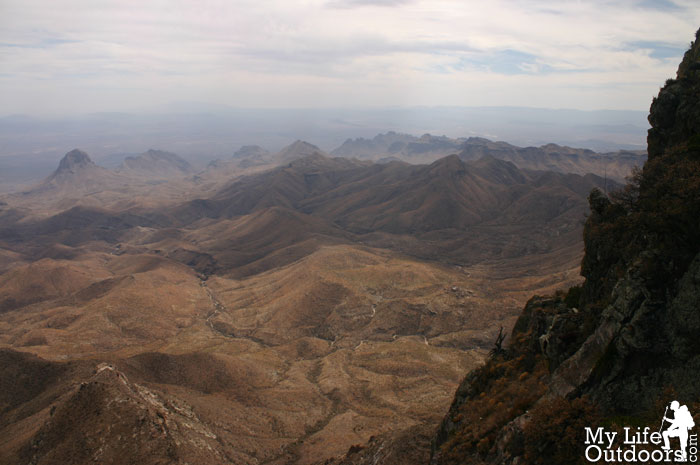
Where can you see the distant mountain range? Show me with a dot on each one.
(156, 164)
(274, 307)
(451, 209)
(403, 146)
(550, 157)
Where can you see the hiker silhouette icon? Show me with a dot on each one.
(680, 424)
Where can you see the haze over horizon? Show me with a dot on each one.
(203, 79)
(132, 57)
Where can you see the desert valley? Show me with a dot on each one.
(275, 307)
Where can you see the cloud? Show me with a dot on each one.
(577, 54)
(361, 3)
(657, 50)
(660, 5)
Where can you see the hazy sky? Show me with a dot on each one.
(91, 55)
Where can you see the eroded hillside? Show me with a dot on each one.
(282, 316)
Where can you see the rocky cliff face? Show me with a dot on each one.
(617, 349)
(73, 160)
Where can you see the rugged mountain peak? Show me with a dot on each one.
(619, 348)
(75, 176)
(449, 164)
(388, 143)
(298, 149)
(73, 160)
(675, 113)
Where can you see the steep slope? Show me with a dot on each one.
(78, 412)
(615, 351)
(418, 210)
(284, 186)
(448, 194)
(266, 239)
(72, 162)
(76, 175)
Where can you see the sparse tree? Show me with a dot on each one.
(498, 344)
(628, 195)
